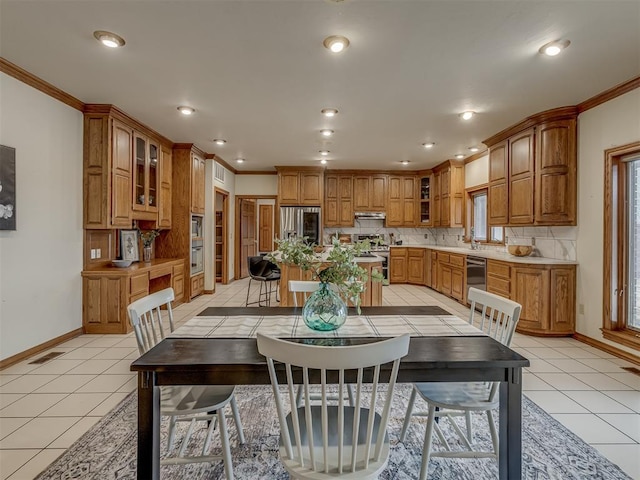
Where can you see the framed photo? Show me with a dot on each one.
(129, 245)
(7, 188)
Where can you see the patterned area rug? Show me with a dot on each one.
(550, 451)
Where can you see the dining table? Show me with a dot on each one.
(218, 347)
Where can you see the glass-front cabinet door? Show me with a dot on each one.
(139, 173)
(153, 176)
(145, 174)
(425, 200)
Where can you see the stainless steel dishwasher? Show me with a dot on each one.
(476, 273)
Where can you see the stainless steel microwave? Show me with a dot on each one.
(196, 226)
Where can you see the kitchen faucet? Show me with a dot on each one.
(474, 244)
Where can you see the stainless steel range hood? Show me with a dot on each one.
(370, 215)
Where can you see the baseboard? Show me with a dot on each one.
(607, 348)
(7, 362)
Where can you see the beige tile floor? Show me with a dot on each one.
(45, 408)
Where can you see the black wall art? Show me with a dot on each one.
(7, 188)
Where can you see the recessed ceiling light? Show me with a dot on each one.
(240, 160)
(473, 149)
(109, 39)
(324, 152)
(405, 162)
(219, 141)
(323, 161)
(552, 49)
(329, 112)
(326, 132)
(428, 145)
(459, 156)
(467, 115)
(336, 43)
(186, 110)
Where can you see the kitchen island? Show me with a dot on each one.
(371, 297)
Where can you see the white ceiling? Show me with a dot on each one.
(258, 75)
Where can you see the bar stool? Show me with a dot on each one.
(266, 273)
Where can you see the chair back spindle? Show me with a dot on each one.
(332, 439)
(146, 317)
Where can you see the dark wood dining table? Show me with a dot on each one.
(236, 361)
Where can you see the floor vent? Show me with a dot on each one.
(47, 357)
(635, 370)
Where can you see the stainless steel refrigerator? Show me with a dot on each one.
(301, 222)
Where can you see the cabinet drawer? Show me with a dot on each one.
(178, 270)
(498, 269)
(499, 286)
(160, 272)
(416, 252)
(456, 260)
(139, 284)
(443, 257)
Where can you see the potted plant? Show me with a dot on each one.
(336, 270)
(147, 241)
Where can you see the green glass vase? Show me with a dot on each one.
(324, 310)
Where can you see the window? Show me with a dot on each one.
(621, 305)
(478, 220)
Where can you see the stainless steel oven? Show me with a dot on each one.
(379, 247)
(197, 256)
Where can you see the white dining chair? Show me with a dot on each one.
(329, 441)
(184, 403)
(302, 289)
(498, 319)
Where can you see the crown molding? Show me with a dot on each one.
(45, 87)
(610, 94)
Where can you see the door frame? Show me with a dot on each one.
(238, 238)
(225, 239)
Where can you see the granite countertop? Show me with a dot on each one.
(492, 254)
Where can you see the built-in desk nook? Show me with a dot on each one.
(107, 290)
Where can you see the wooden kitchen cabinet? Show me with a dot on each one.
(499, 278)
(300, 186)
(338, 200)
(401, 204)
(555, 173)
(146, 177)
(121, 169)
(164, 200)
(398, 265)
(187, 187)
(427, 267)
(415, 266)
(547, 295)
(369, 193)
(532, 171)
(451, 275)
(424, 181)
(197, 285)
(107, 291)
(197, 183)
(448, 194)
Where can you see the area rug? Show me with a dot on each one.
(550, 451)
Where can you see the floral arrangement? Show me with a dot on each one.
(343, 271)
(148, 237)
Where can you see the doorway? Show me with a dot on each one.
(221, 249)
(246, 216)
(255, 220)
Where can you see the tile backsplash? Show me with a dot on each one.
(550, 242)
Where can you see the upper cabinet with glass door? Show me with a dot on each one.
(145, 177)
(424, 197)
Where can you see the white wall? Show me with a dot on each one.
(477, 172)
(611, 124)
(256, 184)
(40, 263)
(228, 185)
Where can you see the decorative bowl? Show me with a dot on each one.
(121, 263)
(520, 250)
